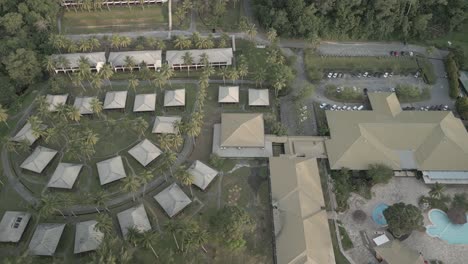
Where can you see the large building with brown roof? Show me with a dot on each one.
(300, 221)
(432, 142)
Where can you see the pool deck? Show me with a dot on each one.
(407, 190)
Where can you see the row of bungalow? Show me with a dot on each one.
(70, 62)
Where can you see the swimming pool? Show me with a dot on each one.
(377, 214)
(442, 228)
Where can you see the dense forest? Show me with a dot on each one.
(25, 26)
(362, 19)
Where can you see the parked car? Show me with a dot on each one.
(391, 74)
(416, 75)
(411, 53)
(360, 107)
(333, 107)
(385, 75)
(355, 107)
(340, 75)
(395, 53)
(323, 105)
(335, 75)
(365, 74)
(359, 75)
(330, 74)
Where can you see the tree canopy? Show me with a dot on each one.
(368, 19)
(403, 218)
(379, 173)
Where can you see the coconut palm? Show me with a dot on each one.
(259, 77)
(251, 31)
(116, 41)
(224, 73)
(199, 238)
(184, 177)
(203, 43)
(179, 42)
(196, 38)
(188, 60)
(205, 59)
(96, 106)
(242, 69)
(146, 177)
(160, 44)
(96, 81)
(3, 115)
(50, 204)
(125, 41)
(83, 45)
(176, 140)
(94, 42)
(9, 144)
(131, 185)
(233, 75)
(193, 129)
(169, 158)
(150, 42)
(437, 191)
(167, 71)
(173, 227)
(99, 199)
(104, 224)
(58, 42)
(140, 125)
(63, 62)
(72, 47)
(133, 83)
(159, 79)
(147, 239)
(50, 64)
(133, 236)
(62, 112)
(129, 62)
(73, 113)
(279, 84)
(272, 35)
(106, 72)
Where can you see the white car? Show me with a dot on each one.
(359, 75)
(330, 74)
(365, 74)
(355, 107)
(385, 75)
(333, 107)
(360, 107)
(338, 108)
(392, 90)
(335, 75)
(323, 105)
(391, 74)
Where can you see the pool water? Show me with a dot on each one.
(442, 228)
(377, 214)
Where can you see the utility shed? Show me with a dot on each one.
(13, 225)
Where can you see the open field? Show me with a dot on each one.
(229, 22)
(118, 19)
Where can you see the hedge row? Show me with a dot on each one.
(452, 73)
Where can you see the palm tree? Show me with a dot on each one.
(176, 140)
(173, 228)
(99, 199)
(188, 60)
(205, 59)
(93, 42)
(133, 83)
(146, 240)
(116, 41)
(199, 238)
(50, 64)
(179, 42)
(125, 41)
(96, 106)
(272, 35)
(8, 144)
(104, 224)
(3, 115)
(259, 77)
(184, 177)
(224, 73)
(233, 75)
(50, 204)
(242, 69)
(96, 81)
(437, 191)
(83, 45)
(203, 43)
(160, 44)
(159, 79)
(106, 72)
(73, 114)
(133, 236)
(279, 84)
(146, 177)
(131, 185)
(251, 31)
(72, 47)
(169, 159)
(196, 38)
(140, 126)
(129, 62)
(167, 71)
(193, 129)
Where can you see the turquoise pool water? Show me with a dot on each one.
(442, 228)
(377, 214)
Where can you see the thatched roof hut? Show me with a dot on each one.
(457, 215)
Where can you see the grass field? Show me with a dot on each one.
(339, 258)
(229, 22)
(119, 19)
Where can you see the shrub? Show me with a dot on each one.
(410, 93)
(403, 218)
(379, 173)
(452, 73)
(345, 94)
(427, 71)
(462, 107)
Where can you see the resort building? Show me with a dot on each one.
(120, 60)
(202, 174)
(172, 200)
(434, 142)
(71, 62)
(228, 94)
(39, 159)
(13, 225)
(241, 135)
(134, 217)
(65, 175)
(83, 104)
(55, 100)
(216, 58)
(259, 97)
(87, 237)
(111, 170)
(174, 97)
(115, 100)
(394, 252)
(145, 103)
(145, 152)
(45, 239)
(26, 134)
(166, 124)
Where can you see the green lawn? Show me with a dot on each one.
(230, 20)
(119, 19)
(339, 258)
(345, 240)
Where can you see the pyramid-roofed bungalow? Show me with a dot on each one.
(242, 130)
(111, 170)
(45, 239)
(134, 217)
(202, 174)
(165, 124)
(87, 237)
(65, 175)
(55, 100)
(13, 225)
(174, 97)
(259, 97)
(172, 199)
(115, 100)
(144, 103)
(83, 104)
(145, 152)
(39, 159)
(26, 134)
(228, 94)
